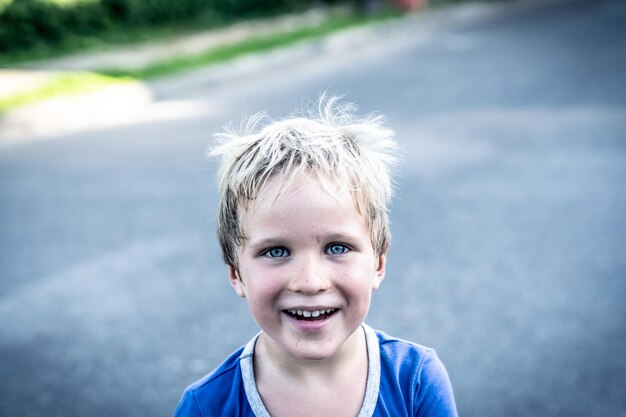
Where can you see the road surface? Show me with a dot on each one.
(509, 227)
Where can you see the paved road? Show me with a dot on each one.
(509, 226)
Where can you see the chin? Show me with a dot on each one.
(315, 350)
(313, 354)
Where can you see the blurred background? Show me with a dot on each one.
(509, 228)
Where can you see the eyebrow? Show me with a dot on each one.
(271, 241)
(342, 237)
(279, 241)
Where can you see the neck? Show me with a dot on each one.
(272, 360)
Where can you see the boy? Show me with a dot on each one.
(304, 231)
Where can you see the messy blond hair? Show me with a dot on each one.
(327, 142)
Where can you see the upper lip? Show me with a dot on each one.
(311, 308)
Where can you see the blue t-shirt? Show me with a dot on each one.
(403, 379)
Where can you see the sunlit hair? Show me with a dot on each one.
(328, 143)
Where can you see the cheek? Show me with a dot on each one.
(358, 283)
(263, 288)
(364, 284)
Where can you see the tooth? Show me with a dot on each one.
(315, 313)
(306, 313)
(328, 311)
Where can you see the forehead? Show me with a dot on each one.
(288, 202)
(281, 188)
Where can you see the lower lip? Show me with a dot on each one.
(310, 325)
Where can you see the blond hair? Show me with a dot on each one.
(328, 143)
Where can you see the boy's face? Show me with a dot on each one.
(307, 268)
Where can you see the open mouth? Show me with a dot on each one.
(310, 315)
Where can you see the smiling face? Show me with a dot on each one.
(307, 268)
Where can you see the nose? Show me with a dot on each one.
(309, 276)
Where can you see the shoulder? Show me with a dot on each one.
(404, 358)
(224, 372)
(414, 375)
(395, 349)
(218, 393)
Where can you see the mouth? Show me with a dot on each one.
(311, 315)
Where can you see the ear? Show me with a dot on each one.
(236, 282)
(379, 273)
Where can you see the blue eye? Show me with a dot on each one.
(276, 252)
(337, 249)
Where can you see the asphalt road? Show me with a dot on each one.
(509, 225)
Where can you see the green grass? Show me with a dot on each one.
(60, 85)
(226, 53)
(74, 83)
